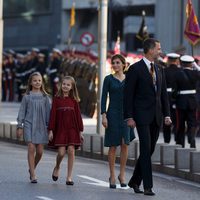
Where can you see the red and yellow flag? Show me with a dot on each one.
(192, 30)
(72, 18)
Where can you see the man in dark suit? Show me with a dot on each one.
(145, 103)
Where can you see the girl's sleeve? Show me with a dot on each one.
(79, 117)
(52, 118)
(22, 112)
(104, 94)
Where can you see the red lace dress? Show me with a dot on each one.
(65, 122)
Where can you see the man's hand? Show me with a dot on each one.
(168, 121)
(131, 123)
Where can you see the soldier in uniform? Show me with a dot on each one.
(54, 69)
(170, 71)
(198, 100)
(186, 102)
(20, 76)
(31, 63)
(34, 59)
(41, 66)
(10, 70)
(4, 77)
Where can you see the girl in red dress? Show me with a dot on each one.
(65, 125)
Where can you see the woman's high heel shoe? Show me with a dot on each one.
(112, 186)
(55, 178)
(121, 184)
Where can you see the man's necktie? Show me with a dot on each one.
(152, 72)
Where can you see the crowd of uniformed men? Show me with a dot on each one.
(182, 79)
(82, 66)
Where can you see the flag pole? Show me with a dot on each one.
(71, 24)
(69, 38)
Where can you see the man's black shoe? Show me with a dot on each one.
(136, 189)
(149, 192)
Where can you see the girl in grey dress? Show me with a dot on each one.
(32, 121)
(117, 133)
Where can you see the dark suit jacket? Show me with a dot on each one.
(142, 101)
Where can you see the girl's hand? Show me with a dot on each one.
(104, 121)
(50, 135)
(19, 132)
(82, 138)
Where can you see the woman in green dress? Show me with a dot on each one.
(117, 133)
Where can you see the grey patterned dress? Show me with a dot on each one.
(117, 128)
(33, 117)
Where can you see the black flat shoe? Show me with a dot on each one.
(121, 184)
(55, 178)
(149, 192)
(136, 189)
(34, 181)
(69, 183)
(112, 186)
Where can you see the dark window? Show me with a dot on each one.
(16, 7)
(86, 17)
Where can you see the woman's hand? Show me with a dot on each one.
(104, 121)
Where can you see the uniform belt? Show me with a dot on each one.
(187, 92)
(169, 89)
(52, 71)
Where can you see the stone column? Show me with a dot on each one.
(102, 51)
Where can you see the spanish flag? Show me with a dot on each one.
(192, 30)
(72, 18)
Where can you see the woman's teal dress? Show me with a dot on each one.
(117, 128)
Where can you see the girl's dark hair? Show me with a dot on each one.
(122, 58)
(29, 86)
(73, 92)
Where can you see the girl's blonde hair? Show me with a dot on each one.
(29, 86)
(73, 93)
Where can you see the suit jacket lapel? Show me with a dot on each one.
(146, 71)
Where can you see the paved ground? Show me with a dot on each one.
(90, 177)
(8, 113)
